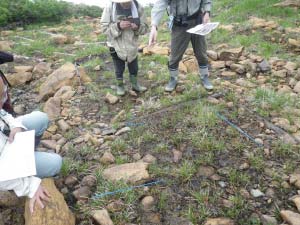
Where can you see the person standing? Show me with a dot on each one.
(123, 21)
(184, 14)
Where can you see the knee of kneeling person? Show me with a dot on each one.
(56, 164)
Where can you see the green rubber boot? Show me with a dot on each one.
(120, 88)
(135, 84)
(173, 81)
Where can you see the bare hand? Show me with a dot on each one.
(124, 24)
(206, 18)
(153, 36)
(40, 195)
(13, 133)
(134, 26)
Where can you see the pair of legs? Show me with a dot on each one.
(180, 40)
(47, 164)
(119, 66)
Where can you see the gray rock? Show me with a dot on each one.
(264, 66)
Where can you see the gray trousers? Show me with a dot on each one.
(180, 40)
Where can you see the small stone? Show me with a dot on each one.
(19, 109)
(148, 202)
(63, 125)
(222, 184)
(149, 159)
(115, 206)
(205, 171)
(137, 156)
(111, 99)
(123, 131)
(268, 220)
(177, 156)
(71, 180)
(82, 193)
(107, 158)
(89, 180)
(256, 193)
(102, 217)
(264, 66)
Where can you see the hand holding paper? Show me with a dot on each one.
(203, 29)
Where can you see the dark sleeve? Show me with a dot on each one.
(6, 57)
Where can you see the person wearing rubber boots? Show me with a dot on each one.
(123, 21)
(184, 14)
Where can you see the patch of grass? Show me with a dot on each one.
(186, 171)
(237, 178)
(268, 100)
(118, 145)
(257, 162)
(282, 150)
(161, 148)
(239, 206)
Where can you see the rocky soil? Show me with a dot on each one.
(211, 172)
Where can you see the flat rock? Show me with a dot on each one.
(56, 211)
(219, 221)
(64, 76)
(218, 64)
(65, 93)
(53, 108)
(296, 200)
(290, 217)
(50, 144)
(129, 172)
(213, 55)
(16, 79)
(240, 69)
(231, 54)
(158, 50)
(102, 217)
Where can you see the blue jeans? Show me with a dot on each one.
(47, 164)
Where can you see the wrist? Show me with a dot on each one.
(155, 27)
(206, 12)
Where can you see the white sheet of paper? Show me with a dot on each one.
(203, 29)
(17, 159)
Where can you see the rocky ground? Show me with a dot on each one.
(207, 171)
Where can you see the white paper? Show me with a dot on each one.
(17, 159)
(203, 29)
